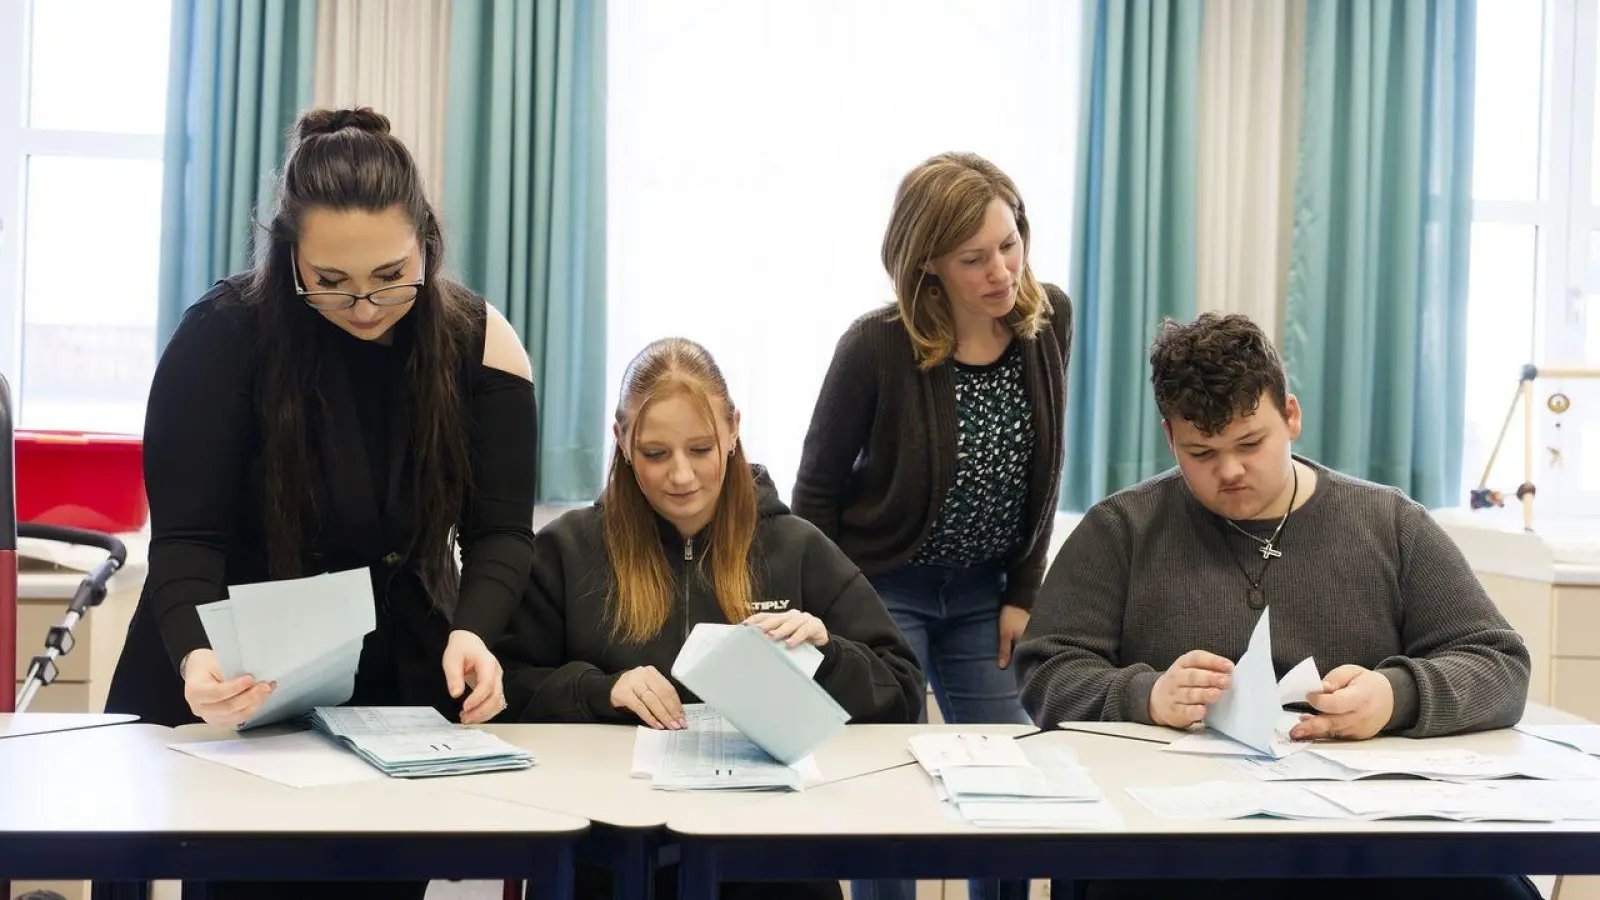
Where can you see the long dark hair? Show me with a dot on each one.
(347, 159)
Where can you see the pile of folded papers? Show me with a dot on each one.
(416, 742)
(712, 755)
(995, 781)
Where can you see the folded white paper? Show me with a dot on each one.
(1578, 736)
(299, 759)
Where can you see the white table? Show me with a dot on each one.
(583, 770)
(117, 805)
(24, 724)
(891, 825)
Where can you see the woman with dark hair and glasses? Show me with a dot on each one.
(342, 405)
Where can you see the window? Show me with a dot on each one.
(82, 112)
(1534, 294)
(754, 151)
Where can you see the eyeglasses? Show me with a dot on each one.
(334, 301)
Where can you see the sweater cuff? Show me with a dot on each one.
(1018, 595)
(183, 633)
(1136, 702)
(596, 692)
(830, 659)
(1407, 704)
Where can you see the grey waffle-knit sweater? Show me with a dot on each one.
(1366, 577)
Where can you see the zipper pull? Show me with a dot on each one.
(688, 548)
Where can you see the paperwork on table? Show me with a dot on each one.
(992, 781)
(356, 743)
(1584, 736)
(1325, 762)
(1496, 801)
(711, 755)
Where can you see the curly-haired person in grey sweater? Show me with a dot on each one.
(1158, 588)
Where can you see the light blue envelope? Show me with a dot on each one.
(760, 688)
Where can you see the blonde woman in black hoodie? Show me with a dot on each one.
(686, 532)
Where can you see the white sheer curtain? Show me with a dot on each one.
(1251, 55)
(391, 55)
(754, 150)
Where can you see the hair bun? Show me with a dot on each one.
(328, 121)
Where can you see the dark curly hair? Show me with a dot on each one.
(1211, 370)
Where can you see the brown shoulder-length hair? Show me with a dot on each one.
(642, 590)
(346, 159)
(940, 204)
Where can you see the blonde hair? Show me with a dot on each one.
(940, 204)
(642, 591)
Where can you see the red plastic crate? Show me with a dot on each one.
(81, 480)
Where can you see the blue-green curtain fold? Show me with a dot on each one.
(1134, 234)
(525, 207)
(240, 73)
(1375, 325)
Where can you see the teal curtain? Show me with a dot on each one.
(240, 73)
(1375, 331)
(525, 207)
(1134, 235)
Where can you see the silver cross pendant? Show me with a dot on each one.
(1268, 551)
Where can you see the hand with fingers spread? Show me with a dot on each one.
(650, 696)
(1190, 685)
(468, 663)
(1355, 704)
(216, 700)
(793, 627)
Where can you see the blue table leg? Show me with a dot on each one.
(697, 872)
(633, 866)
(555, 882)
(1068, 889)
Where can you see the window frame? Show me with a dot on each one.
(18, 142)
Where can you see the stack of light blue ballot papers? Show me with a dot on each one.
(995, 781)
(306, 635)
(303, 633)
(416, 742)
(762, 716)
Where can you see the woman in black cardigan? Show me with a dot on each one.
(934, 453)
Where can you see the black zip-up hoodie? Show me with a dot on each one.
(561, 661)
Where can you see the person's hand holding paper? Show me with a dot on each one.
(1250, 710)
(303, 635)
(1353, 703)
(794, 628)
(1183, 693)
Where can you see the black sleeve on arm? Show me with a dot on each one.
(497, 531)
(541, 684)
(1024, 578)
(1067, 661)
(199, 428)
(866, 665)
(840, 425)
(1464, 668)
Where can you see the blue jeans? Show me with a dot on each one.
(950, 615)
